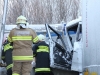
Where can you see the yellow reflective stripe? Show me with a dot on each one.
(9, 39)
(42, 50)
(42, 69)
(35, 39)
(6, 47)
(43, 47)
(22, 57)
(22, 38)
(10, 47)
(9, 66)
(15, 74)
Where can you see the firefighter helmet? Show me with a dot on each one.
(41, 37)
(21, 20)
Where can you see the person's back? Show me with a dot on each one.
(41, 54)
(7, 54)
(22, 43)
(22, 39)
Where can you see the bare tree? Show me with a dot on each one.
(14, 10)
(43, 11)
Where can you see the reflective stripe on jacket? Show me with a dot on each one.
(43, 49)
(22, 57)
(42, 69)
(35, 40)
(15, 74)
(7, 47)
(9, 66)
(22, 43)
(21, 38)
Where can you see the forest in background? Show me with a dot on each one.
(41, 11)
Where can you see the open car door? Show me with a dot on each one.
(60, 57)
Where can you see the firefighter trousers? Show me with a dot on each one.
(21, 68)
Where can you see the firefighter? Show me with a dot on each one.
(7, 56)
(22, 39)
(41, 57)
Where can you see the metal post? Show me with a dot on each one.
(48, 31)
(3, 25)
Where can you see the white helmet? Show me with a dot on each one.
(41, 37)
(21, 20)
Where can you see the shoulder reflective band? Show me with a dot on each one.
(7, 47)
(9, 39)
(42, 69)
(22, 57)
(43, 49)
(9, 66)
(15, 74)
(35, 39)
(21, 38)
